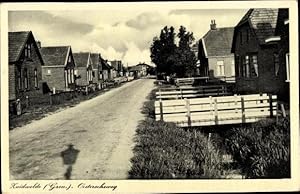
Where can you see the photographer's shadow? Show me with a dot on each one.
(69, 157)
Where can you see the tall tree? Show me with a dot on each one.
(170, 58)
(186, 60)
(162, 48)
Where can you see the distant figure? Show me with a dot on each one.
(69, 158)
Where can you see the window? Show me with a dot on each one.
(220, 68)
(49, 71)
(28, 50)
(254, 66)
(232, 68)
(19, 79)
(69, 76)
(246, 65)
(72, 75)
(25, 78)
(66, 78)
(69, 59)
(287, 61)
(249, 66)
(36, 84)
(276, 63)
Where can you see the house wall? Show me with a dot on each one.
(105, 74)
(228, 62)
(96, 78)
(30, 64)
(82, 81)
(12, 82)
(267, 81)
(56, 79)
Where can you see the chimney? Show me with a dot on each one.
(38, 43)
(213, 25)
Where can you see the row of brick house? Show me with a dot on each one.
(36, 70)
(255, 53)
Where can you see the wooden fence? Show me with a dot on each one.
(216, 110)
(193, 92)
(61, 97)
(189, 81)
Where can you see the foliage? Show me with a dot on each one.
(170, 58)
(262, 149)
(164, 151)
(162, 48)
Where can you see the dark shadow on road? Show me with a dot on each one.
(69, 157)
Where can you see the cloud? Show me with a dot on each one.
(134, 55)
(145, 20)
(116, 33)
(55, 24)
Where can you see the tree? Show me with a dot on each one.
(162, 48)
(186, 58)
(170, 58)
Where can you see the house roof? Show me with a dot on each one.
(95, 57)
(218, 42)
(262, 21)
(55, 55)
(81, 59)
(104, 63)
(16, 44)
(135, 68)
(116, 64)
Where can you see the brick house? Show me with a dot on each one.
(118, 67)
(144, 68)
(216, 59)
(84, 68)
(112, 71)
(25, 67)
(98, 72)
(261, 48)
(106, 70)
(59, 68)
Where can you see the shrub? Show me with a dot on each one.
(164, 150)
(262, 149)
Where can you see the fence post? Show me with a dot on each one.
(51, 103)
(161, 110)
(216, 111)
(181, 93)
(27, 101)
(159, 93)
(235, 103)
(188, 111)
(283, 110)
(243, 109)
(271, 105)
(210, 104)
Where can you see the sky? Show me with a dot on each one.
(118, 34)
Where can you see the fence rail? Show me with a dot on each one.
(216, 110)
(193, 92)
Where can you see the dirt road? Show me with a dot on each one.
(101, 129)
